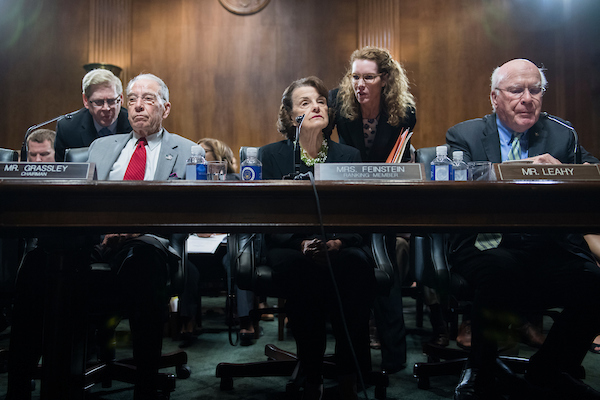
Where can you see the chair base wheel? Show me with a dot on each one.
(183, 371)
(226, 383)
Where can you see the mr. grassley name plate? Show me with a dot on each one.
(369, 171)
(27, 170)
(557, 172)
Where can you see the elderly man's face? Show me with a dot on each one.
(40, 152)
(104, 104)
(518, 98)
(146, 108)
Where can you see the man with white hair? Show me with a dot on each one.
(514, 274)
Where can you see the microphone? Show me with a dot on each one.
(577, 150)
(296, 173)
(34, 127)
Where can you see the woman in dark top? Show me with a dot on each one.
(299, 260)
(373, 104)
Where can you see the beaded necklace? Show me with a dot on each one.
(321, 156)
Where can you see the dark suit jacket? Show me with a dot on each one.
(479, 140)
(278, 158)
(351, 132)
(79, 131)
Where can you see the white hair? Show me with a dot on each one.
(498, 77)
(163, 90)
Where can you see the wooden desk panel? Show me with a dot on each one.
(101, 206)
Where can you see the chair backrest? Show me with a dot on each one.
(76, 154)
(243, 153)
(8, 155)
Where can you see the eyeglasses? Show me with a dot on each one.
(109, 102)
(148, 99)
(517, 91)
(366, 77)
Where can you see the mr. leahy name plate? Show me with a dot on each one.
(30, 170)
(558, 172)
(369, 171)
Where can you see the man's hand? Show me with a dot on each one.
(543, 159)
(315, 249)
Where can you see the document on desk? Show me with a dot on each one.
(205, 245)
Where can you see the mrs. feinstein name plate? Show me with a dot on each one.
(369, 171)
(558, 172)
(30, 170)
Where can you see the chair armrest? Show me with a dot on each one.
(384, 268)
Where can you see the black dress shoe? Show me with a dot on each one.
(475, 385)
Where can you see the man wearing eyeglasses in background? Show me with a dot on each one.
(103, 114)
(514, 274)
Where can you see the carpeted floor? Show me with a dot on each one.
(213, 347)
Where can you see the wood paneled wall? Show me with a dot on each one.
(226, 72)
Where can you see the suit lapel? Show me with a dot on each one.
(286, 164)
(491, 140)
(88, 129)
(112, 149)
(166, 158)
(537, 140)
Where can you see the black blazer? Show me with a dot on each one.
(479, 140)
(351, 132)
(79, 131)
(278, 158)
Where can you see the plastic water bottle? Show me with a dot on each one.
(251, 167)
(195, 169)
(441, 166)
(460, 168)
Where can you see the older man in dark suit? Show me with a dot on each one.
(102, 114)
(515, 273)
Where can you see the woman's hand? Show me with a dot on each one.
(315, 249)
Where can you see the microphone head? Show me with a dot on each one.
(300, 118)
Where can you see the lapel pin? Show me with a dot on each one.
(169, 157)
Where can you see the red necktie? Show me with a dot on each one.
(137, 164)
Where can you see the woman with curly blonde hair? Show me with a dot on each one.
(373, 104)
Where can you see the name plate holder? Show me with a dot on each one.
(55, 170)
(520, 171)
(369, 171)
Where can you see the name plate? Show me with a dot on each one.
(562, 172)
(29, 170)
(369, 171)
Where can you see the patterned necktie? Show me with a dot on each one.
(104, 132)
(487, 241)
(137, 164)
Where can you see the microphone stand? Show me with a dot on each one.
(577, 150)
(34, 127)
(296, 174)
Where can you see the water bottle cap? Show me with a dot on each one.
(441, 150)
(252, 152)
(457, 155)
(198, 151)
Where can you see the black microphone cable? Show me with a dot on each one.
(335, 287)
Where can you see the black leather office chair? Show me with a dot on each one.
(8, 155)
(108, 368)
(78, 155)
(252, 273)
(430, 257)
